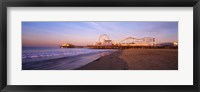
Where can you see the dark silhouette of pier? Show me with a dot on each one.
(128, 43)
(132, 47)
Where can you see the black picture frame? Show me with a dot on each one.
(98, 3)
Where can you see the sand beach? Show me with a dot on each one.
(136, 59)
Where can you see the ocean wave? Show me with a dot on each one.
(60, 59)
(54, 53)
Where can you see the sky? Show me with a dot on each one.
(52, 34)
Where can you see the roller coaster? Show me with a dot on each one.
(131, 41)
(104, 40)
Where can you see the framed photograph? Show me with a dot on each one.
(91, 45)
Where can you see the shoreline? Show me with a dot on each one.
(136, 59)
(101, 63)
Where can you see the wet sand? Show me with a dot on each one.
(137, 59)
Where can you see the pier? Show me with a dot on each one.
(128, 43)
(131, 47)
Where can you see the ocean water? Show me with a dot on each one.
(45, 58)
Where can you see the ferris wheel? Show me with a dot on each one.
(103, 37)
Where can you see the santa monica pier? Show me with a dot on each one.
(104, 42)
